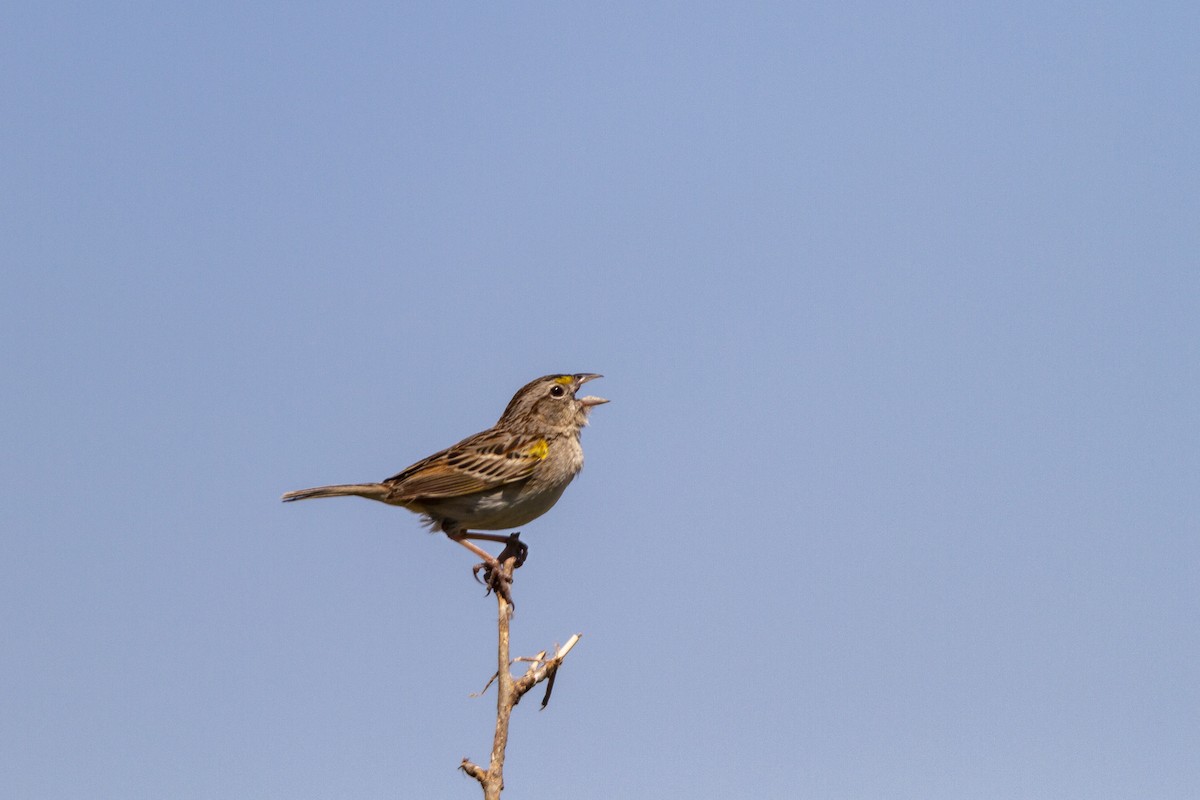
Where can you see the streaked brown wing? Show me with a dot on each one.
(483, 461)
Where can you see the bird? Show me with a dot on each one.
(498, 479)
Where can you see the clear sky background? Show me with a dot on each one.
(898, 308)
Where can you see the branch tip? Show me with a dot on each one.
(474, 770)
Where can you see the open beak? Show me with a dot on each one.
(591, 400)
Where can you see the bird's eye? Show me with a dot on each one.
(557, 391)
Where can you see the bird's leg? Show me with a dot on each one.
(489, 560)
(513, 546)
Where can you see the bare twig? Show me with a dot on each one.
(544, 671)
(509, 690)
(531, 659)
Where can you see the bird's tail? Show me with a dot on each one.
(371, 491)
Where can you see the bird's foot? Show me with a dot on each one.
(514, 548)
(494, 579)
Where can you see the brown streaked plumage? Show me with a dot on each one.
(498, 479)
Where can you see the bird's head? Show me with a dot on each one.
(551, 401)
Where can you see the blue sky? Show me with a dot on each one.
(898, 311)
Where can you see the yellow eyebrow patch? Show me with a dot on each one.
(539, 450)
(565, 379)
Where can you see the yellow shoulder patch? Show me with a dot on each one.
(539, 450)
